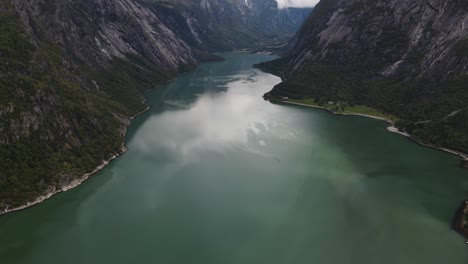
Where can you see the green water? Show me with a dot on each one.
(214, 174)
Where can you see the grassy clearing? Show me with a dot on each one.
(344, 108)
(307, 101)
(365, 110)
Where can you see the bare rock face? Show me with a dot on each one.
(97, 31)
(425, 37)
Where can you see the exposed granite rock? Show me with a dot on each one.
(99, 31)
(345, 31)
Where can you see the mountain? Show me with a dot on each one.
(216, 25)
(72, 75)
(405, 58)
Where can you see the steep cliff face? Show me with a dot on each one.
(407, 58)
(406, 36)
(230, 24)
(96, 32)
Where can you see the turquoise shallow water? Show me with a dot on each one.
(214, 174)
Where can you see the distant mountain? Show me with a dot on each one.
(406, 58)
(230, 24)
(72, 74)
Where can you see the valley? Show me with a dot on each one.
(74, 72)
(213, 173)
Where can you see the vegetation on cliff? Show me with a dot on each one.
(32, 81)
(59, 121)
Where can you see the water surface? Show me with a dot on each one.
(214, 174)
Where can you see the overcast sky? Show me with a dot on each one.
(297, 3)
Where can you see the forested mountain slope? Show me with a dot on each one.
(71, 75)
(406, 58)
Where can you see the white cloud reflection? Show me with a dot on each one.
(215, 122)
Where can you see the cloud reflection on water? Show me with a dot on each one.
(214, 122)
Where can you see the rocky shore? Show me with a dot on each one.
(73, 184)
(77, 182)
(460, 221)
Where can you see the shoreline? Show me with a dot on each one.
(334, 113)
(391, 128)
(137, 114)
(77, 182)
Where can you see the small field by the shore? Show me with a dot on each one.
(344, 108)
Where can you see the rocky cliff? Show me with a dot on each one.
(99, 31)
(406, 58)
(418, 36)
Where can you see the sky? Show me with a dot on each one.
(297, 3)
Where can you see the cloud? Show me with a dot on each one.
(296, 3)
